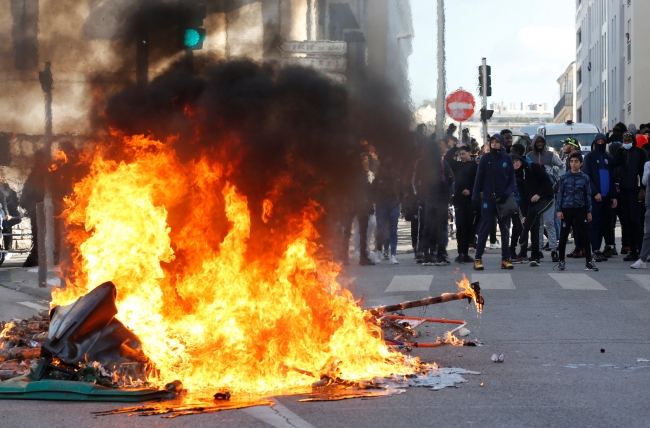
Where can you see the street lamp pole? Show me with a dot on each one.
(440, 100)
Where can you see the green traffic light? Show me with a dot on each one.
(192, 38)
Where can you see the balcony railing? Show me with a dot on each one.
(566, 100)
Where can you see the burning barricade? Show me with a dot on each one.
(87, 354)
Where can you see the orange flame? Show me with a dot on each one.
(58, 158)
(222, 317)
(466, 286)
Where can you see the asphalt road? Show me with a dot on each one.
(576, 348)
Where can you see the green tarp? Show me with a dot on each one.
(23, 388)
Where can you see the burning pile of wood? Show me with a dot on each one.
(20, 344)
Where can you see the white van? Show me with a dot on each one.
(585, 133)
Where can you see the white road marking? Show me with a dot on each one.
(494, 281)
(576, 281)
(410, 283)
(642, 280)
(278, 416)
(33, 305)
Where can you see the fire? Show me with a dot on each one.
(465, 286)
(210, 311)
(58, 158)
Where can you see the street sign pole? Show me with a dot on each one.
(484, 97)
(440, 103)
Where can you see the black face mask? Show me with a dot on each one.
(601, 147)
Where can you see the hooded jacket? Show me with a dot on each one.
(532, 180)
(574, 191)
(497, 168)
(464, 177)
(631, 167)
(598, 165)
(545, 157)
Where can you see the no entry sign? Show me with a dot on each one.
(460, 105)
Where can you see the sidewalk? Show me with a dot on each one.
(25, 280)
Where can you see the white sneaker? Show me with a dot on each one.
(639, 264)
(377, 258)
(495, 246)
(7, 256)
(393, 260)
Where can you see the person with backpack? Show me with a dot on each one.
(495, 180)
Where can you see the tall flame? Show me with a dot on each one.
(223, 317)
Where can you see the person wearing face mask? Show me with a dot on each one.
(540, 154)
(631, 160)
(496, 179)
(598, 165)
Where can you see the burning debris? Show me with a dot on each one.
(88, 354)
(20, 344)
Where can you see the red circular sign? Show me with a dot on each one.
(460, 105)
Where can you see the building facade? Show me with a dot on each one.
(93, 50)
(613, 59)
(565, 109)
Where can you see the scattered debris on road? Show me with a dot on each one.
(498, 358)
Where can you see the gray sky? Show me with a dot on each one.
(528, 43)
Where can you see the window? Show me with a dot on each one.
(579, 76)
(579, 115)
(629, 50)
(604, 104)
(579, 38)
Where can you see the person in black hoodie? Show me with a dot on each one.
(599, 166)
(495, 179)
(437, 182)
(631, 159)
(536, 192)
(464, 171)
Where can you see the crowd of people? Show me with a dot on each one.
(537, 198)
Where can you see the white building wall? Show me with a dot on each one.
(614, 90)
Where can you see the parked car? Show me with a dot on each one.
(556, 132)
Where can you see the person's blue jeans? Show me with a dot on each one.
(387, 217)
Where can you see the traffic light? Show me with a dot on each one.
(489, 80)
(191, 31)
(486, 114)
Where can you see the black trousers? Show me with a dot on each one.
(434, 238)
(630, 214)
(517, 229)
(531, 226)
(417, 227)
(362, 213)
(464, 226)
(6, 228)
(576, 218)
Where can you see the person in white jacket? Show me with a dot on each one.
(645, 249)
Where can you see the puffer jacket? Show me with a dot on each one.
(494, 168)
(574, 191)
